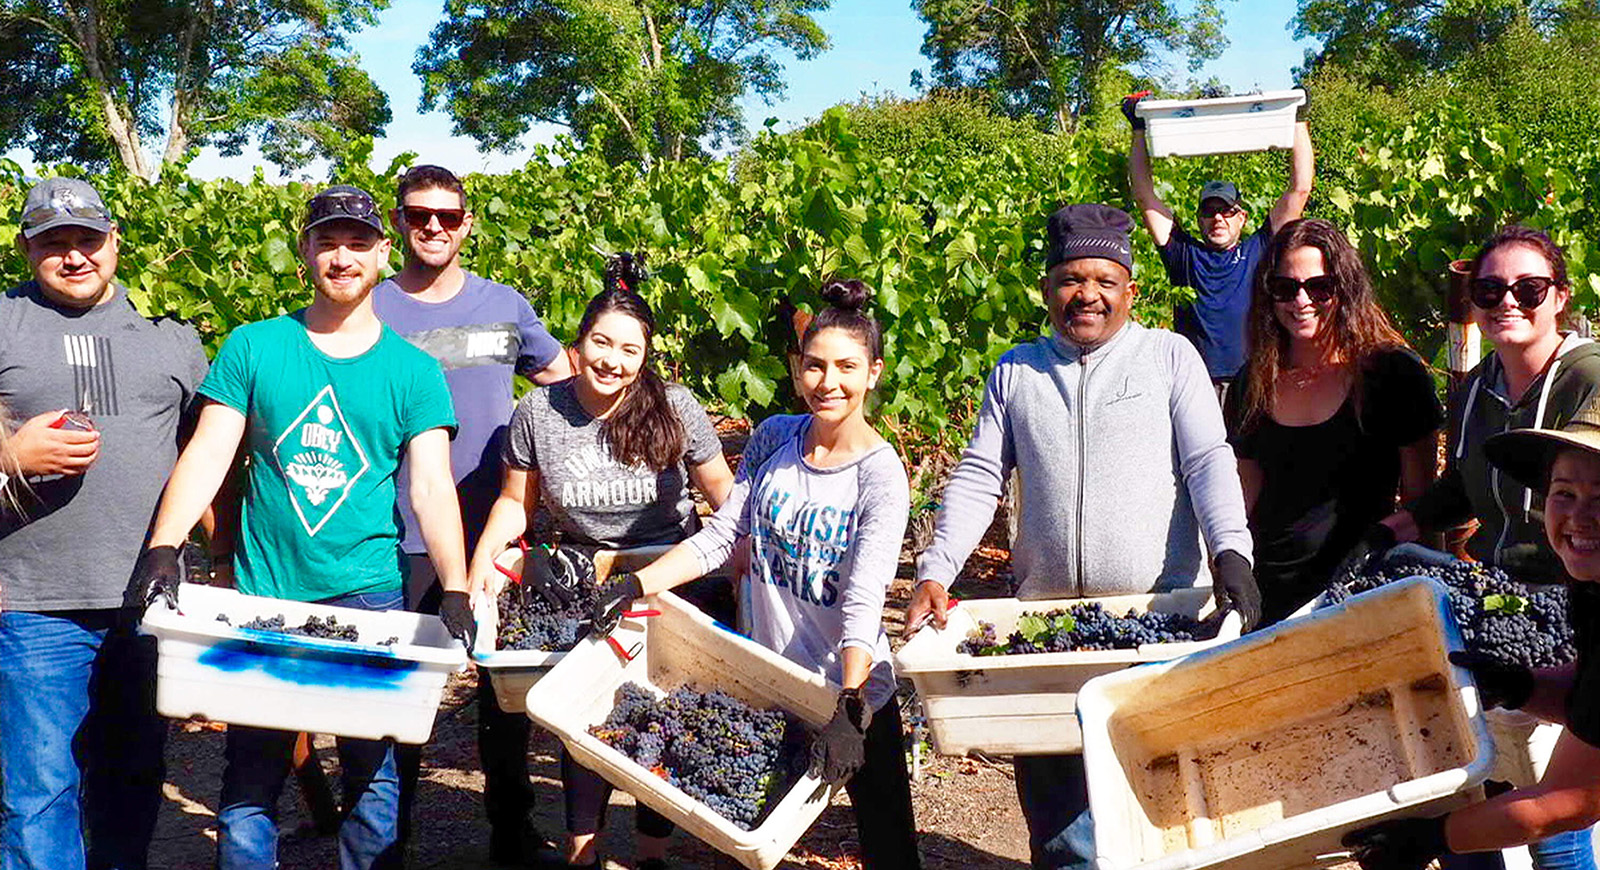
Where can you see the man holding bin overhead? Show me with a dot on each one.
(1221, 264)
(326, 401)
(1124, 467)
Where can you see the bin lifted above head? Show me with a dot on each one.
(1261, 753)
(1225, 125)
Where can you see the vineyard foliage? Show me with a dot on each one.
(951, 241)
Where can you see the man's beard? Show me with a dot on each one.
(347, 294)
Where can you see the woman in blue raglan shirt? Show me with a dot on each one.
(824, 500)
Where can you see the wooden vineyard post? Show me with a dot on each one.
(1461, 357)
(1465, 343)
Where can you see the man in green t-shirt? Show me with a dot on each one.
(326, 401)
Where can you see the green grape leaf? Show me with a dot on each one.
(1505, 605)
(1033, 626)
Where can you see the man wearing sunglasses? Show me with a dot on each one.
(326, 401)
(1221, 263)
(80, 744)
(481, 332)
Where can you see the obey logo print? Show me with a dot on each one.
(321, 460)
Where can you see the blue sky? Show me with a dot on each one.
(876, 45)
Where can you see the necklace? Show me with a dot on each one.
(1302, 377)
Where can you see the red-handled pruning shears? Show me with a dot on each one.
(515, 577)
(630, 653)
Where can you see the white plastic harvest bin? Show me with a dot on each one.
(1260, 754)
(684, 646)
(267, 679)
(513, 672)
(1024, 704)
(1522, 744)
(1250, 122)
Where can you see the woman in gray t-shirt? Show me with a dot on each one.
(611, 453)
(824, 500)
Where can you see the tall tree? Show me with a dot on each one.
(657, 77)
(1393, 42)
(1046, 58)
(99, 81)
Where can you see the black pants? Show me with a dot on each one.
(502, 752)
(880, 796)
(587, 795)
(1052, 790)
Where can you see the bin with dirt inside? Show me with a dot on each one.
(1260, 754)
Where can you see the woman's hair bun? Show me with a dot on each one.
(850, 294)
(626, 271)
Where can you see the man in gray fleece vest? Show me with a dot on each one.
(1124, 466)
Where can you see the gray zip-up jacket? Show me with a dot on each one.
(1124, 464)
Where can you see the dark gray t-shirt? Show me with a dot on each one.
(594, 499)
(74, 545)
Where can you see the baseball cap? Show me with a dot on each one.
(1223, 190)
(342, 202)
(1088, 230)
(63, 202)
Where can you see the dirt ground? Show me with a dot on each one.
(966, 809)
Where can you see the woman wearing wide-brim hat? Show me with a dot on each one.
(1563, 465)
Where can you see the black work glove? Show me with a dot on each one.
(155, 575)
(1499, 684)
(1129, 103)
(455, 611)
(1375, 543)
(1235, 588)
(840, 748)
(614, 596)
(1398, 844)
(558, 575)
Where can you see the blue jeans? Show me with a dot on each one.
(258, 762)
(1573, 850)
(80, 742)
(1052, 790)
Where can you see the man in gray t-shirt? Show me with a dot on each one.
(593, 499)
(70, 677)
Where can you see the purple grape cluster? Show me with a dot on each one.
(721, 751)
(529, 622)
(1083, 627)
(325, 628)
(1514, 622)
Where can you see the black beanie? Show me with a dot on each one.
(1088, 230)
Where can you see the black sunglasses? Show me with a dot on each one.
(350, 205)
(1529, 292)
(1319, 288)
(1227, 211)
(417, 216)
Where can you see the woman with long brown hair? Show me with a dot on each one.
(1334, 415)
(611, 453)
